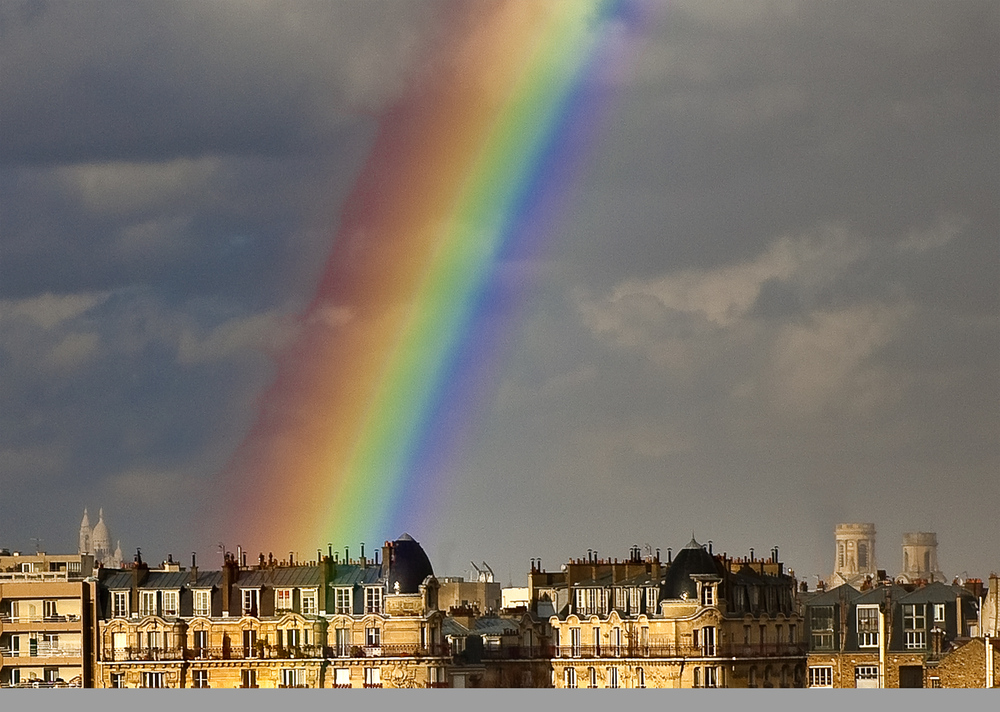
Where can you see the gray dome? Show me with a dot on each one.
(408, 565)
(692, 559)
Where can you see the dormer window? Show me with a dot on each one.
(119, 604)
(373, 599)
(170, 603)
(309, 607)
(283, 599)
(203, 603)
(708, 594)
(251, 601)
(342, 601)
(147, 603)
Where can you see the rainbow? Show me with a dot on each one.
(414, 311)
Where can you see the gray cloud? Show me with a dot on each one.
(771, 304)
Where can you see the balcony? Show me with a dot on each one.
(257, 652)
(730, 650)
(43, 651)
(119, 655)
(518, 652)
(393, 650)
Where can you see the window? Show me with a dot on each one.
(342, 603)
(574, 638)
(342, 677)
(309, 607)
(250, 643)
(862, 555)
(373, 677)
(147, 603)
(292, 637)
(373, 637)
(248, 678)
(283, 599)
(821, 677)
(939, 613)
(203, 603)
(153, 640)
(696, 673)
(866, 676)
(708, 594)
(251, 601)
(591, 601)
(200, 678)
(868, 626)
(119, 604)
(840, 555)
(292, 677)
(343, 641)
(592, 676)
(596, 638)
(49, 609)
(153, 680)
(792, 633)
(373, 599)
(170, 603)
(118, 679)
(613, 678)
(651, 594)
(199, 640)
(711, 677)
(570, 677)
(822, 627)
(915, 626)
(640, 677)
(616, 641)
(935, 682)
(708, 640)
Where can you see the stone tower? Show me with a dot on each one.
(920, 557)
(855, 555)
(85, 535)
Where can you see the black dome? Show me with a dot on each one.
(692, 559)
(408, 565)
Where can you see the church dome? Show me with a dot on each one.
(408, 565)
(101, 538)
(692, 559)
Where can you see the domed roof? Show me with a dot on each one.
(101, 538)
(408, 565)
(692, 559)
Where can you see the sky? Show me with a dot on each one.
(770, 303)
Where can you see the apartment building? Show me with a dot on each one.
(697, 620)
(45, 620)
(322, 624)
(887, 635)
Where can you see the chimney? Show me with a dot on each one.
(230, 574)
(194, 568)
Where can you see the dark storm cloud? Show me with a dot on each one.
(771, 306)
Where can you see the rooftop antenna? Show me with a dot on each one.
(38, 544)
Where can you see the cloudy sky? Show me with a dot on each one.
(770, 306)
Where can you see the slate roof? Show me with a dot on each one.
(118, 580)
(354, 575)
(282, 577)
(167, 579)
(495, 626)
(833, 596)
(449, 626)
(206, 579)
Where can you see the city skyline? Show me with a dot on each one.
(766, 304)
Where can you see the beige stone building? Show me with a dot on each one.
(697, 620)
(45, 620)
(323, 624)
